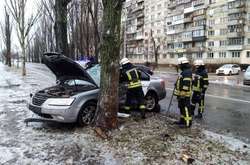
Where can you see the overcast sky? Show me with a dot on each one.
(31, 7)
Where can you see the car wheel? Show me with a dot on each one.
(86, 114)
(151, 102)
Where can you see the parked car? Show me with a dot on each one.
(74, 98)
(246, 80)
(228, 69)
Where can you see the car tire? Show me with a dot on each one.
(151, 101)
(86, 114)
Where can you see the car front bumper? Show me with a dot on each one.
(246, 82)
(57, 114)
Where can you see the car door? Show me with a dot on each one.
(145, 80)
(235, 69)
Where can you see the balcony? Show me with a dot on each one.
(188, 20)
(140, 15)
(138, 8)
(170, 50)
(174, 31)
(188, 10)
(240, 9)
(172, 5)
(202, 27)
(140, 23)
(234, 47)
(235, 34)
(187, 39)
(195, 49)
(181, 21)
(236, 21)
(199, 38)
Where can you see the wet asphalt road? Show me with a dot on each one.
(227, 108)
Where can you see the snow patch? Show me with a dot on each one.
(6, 155)
(230, 142)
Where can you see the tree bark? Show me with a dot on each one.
(60, 26)
(108, 104)
(8, 38)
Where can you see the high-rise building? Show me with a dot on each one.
(217, 31)
(134, 29)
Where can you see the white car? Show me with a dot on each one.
(228, 69)
(246, 80)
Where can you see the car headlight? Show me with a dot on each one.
(60, 101)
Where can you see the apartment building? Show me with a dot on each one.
(217, 31)
(134, 29)
(228, 32)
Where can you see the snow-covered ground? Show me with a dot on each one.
(153, 141)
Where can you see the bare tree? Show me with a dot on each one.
(17, 10)
(107, 108)
(7, 30)
(156, 48)
(60, 27)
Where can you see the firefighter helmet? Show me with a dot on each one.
(124, 61)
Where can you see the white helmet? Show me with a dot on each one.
(182, 60)
(199, 63)
(124, 61)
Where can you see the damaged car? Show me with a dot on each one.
(75, 95)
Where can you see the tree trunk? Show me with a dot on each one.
(60, 26)
(106, 116)
(23, 61)
(7, 37)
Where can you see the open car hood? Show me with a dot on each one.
(64, 68)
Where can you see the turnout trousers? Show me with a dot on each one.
(184, 106)
(198, 98)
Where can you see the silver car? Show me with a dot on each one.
(74, 98)
(246, 80)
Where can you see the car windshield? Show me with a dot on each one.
(248, 69)
(226, 66)
(94, 72)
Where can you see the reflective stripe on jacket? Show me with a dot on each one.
(133, 78)
(183, 85)
(200, 82)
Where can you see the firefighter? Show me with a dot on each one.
(200, 85)
(183, 91)
(135, 95)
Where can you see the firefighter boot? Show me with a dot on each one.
(199, 116)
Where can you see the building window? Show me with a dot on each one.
(211, 43)
(180, 55)
(152, 8)
(248, 41)
(211, 22)
(211, 33)
(223, 31)
(223, 43)
(248, 54)
(222, 54)
(236, 54)
(164, 56)
(172, 55)
(210, 55)
(199, 55)
(159, 6)
(212, 1)
(235, 41)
